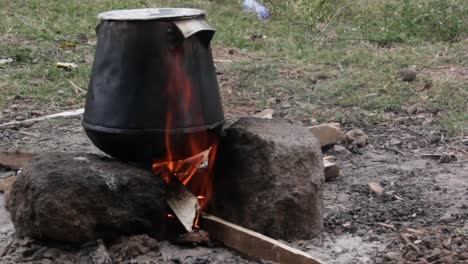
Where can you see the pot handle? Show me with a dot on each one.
(96, 29)
(191, 27)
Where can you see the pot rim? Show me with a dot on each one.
(151, 14)
(98, 128)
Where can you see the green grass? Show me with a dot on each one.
(323, 62)
(389, 21)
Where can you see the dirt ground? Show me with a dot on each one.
(308, 73)
(420, 217)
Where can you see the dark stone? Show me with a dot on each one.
(83, 197)
(407, 75)
(269, 178)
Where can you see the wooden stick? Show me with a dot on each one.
(253, 244)
(63, 114)
(413, 246)
(437, 156)
(78, 90)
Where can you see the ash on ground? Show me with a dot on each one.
(420, 217)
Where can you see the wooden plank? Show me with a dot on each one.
(15, 160)
(253, 244)
(183, 203)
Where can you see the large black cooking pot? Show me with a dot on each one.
(153, 85)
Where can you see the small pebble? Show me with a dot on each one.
(392, 256)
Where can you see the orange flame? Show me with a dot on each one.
(183, 105)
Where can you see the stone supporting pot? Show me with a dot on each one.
(75, 197)
(269, 178)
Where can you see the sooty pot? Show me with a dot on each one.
(153, 91)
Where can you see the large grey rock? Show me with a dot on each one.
(269, 178)
(83, 197)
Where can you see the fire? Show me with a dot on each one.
(187, 163)
(191, 173)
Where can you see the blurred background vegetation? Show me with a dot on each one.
(333, 60)
(390, 21)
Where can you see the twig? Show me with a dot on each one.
(394, 150)
(386, 225)
(63, 114)
(77, 88)
(413, 246)
(221, 61)
(463, 152)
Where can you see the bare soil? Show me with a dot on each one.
(421, 216)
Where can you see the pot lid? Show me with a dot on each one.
(151, 14)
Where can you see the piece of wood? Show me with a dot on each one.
(443, 157)
(253, 244)
(183, 203)
(66, 65)
(330, 169)
(327, 134)
(267, 114)
(15, 160)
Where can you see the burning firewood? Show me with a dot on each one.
(183, 203)
(181, 197)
